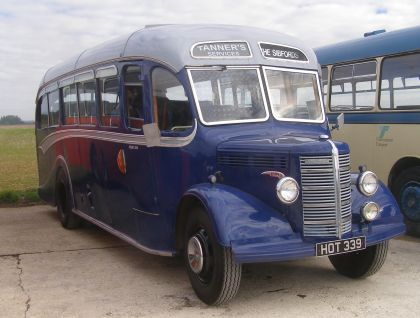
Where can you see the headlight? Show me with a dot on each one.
(370, 211)
(287, 190)
(368, 183)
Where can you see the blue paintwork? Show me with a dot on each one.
(393, 117)
(388, 43)
(243, 206)
(410, 201)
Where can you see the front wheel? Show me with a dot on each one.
(362, 263)
(214, 275)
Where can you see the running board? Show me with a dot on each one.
(120, 235)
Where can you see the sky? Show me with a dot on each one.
(35, 35)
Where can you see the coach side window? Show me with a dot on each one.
(42, 116)
(54, 107)
(133, 92)
(353, 87)
(87, 102)
(70, 109)
(110, 110)
(400, 82)
(171, 109)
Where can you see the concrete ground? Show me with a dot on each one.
(47, 271)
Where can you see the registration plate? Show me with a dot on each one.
(341, 246)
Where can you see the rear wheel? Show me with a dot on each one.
(406, 190)
(214, 275)
(362, 263)
(68, 219)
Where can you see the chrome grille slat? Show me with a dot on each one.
(319, 196)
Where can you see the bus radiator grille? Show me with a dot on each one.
(319, 196)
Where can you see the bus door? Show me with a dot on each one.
(131, 184)
(172, 167)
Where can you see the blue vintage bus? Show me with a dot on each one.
(375, 82)
(210, 142)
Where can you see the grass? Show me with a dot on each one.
(18, 167)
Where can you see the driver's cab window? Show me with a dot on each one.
(171, 109)
(133, 97)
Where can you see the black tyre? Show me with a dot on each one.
(406, 189)
(214, 275)
(68, 219)
(363, 263)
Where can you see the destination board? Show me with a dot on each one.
(221, 49)
(275, 51)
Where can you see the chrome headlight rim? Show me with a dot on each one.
(279, 186)
(364, 211)
(360, 184)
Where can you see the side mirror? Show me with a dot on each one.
(339, 123)
(152, 134)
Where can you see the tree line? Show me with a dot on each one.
(11, 120)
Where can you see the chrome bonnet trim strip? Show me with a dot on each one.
(120, 235)
(129, 139)
(336, 167)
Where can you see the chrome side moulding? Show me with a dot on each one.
(129, 139)
(145, 212)
(120, 235)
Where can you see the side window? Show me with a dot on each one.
(42, 117)
(400, 82)
(70, 109)
(110, 110)
(171, 109)
(353, 86)
(133, 92)
(54, 107)
(87, 102)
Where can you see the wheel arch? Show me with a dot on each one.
(187, 203)
(401, 165)
(61, 165)
(235, 215)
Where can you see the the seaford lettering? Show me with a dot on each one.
(274, 51)
(221, 49)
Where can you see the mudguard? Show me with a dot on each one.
(238, 216)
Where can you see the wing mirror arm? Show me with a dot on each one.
(339, 123)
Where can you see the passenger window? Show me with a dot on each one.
(71, 111)
(400, 82)
(43, 112)
(54, 107)
(353, 87)
(171, 109)
(134, 97)
(87, 102)
(110, 109)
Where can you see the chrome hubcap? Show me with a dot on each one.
(195, 254)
